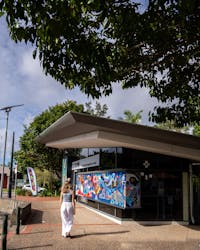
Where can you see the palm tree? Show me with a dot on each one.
(132, 118)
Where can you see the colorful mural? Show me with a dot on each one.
(116, 188)
(133, 199)
(107, 187)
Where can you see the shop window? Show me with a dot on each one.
(83, 153)
(119, 150)
(108, 160)
(93, 151)
(161, 197)
(108, 150)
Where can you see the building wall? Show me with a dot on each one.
(6, 176)
(164, 187)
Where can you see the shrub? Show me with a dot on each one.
(20, 191)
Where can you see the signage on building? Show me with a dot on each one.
(89, 162)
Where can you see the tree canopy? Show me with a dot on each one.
(98, 110)
(94, 44)
(170, 125)
(196, 130)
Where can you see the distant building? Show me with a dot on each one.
(6, 176)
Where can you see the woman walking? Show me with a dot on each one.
(67, 209)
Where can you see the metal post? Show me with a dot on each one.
(191, 195)
(4, 232)
(11, 168)
(18, 220)
(15, 181)
(4, 155)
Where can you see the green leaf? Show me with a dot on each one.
(34, 53)
(2, 13)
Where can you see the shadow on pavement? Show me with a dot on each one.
(193, 227)
(35, 246)
(35, 218)
(163, 224)
(100, 233)
(40, 232)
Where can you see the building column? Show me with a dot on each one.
(185, 196)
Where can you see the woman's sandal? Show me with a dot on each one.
(68, 235)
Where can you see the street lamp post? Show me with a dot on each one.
(7, 110)
(11, 168)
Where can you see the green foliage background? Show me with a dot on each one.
(36, 155)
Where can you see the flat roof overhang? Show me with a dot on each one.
(77, 130)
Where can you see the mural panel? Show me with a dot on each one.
(106, 187)
(116, 188)
(133, 198)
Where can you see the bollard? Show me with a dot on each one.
(18, 220)
(4, 232)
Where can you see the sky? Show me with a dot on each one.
(22, 81)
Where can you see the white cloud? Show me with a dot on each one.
(28, 66)
(2, 146)
(134, 99)
(42, 91)
(28, 119)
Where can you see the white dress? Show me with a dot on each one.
(66, 211)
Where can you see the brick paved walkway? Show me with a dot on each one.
(93, 231)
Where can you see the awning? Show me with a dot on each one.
(77, 130)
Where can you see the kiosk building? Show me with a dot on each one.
(128, 170)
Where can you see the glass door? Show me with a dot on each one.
(161, 197)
